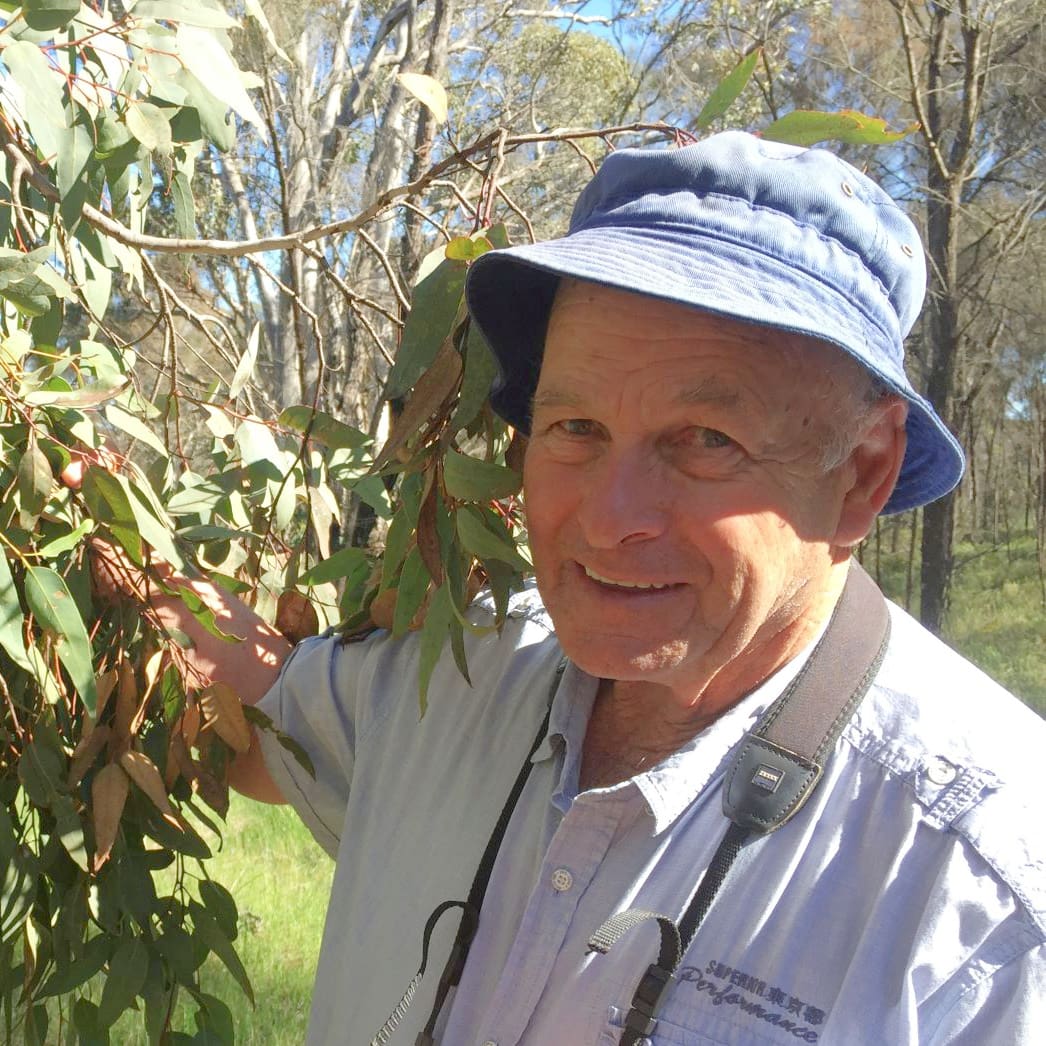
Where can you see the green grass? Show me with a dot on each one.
(996, 617)
(281, 881)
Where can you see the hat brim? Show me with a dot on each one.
(510, 294)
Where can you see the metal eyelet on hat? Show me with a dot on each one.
(907, 250)
(848, 189)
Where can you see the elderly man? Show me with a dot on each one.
(709, 368)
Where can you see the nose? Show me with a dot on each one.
(623, 500)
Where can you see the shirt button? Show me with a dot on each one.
(562, 880)
(490, 1042)
(941, 772)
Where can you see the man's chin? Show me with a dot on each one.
(618, 659)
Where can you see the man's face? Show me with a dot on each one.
(679, 512)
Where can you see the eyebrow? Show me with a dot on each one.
(555, 398)
(710, 391)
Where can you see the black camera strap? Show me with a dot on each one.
(779, 765)
(775, 772)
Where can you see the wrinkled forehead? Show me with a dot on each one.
(623, 323)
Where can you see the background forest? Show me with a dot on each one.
(233, 240)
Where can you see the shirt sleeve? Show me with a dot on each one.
(314, 701)
(1007, 1008)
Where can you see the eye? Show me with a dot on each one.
(706, 439)
(577, 427)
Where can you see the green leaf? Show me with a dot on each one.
(175, 945)
(35, 481)
(127, 971)
(478, 539)
(214, 1023)
(194, 12)
(480, 370)
(433, 638)
(68, 978)
(468, 248)
(149, 125)
(245, 368)
(325, 429)
(207, 930)
(396, 541)
(222, 906)
(413, 584)
(214, 114)
(728, 89)
(40, 771)
(66, 542)
(11, 618)
(70, 830)
(436, 301)
(157, 532)
(806, 127)
(470, 479)
(120, 417)
(45, 15)
(184, 205)
(209, 61)
(50, 600)
(341, 564)
(17, 891)
(45, 111)
(73, 158)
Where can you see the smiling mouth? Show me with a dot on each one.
(613, 583)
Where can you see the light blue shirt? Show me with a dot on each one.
(905, 904)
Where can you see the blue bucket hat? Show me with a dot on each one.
(772, 234)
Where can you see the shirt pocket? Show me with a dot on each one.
(665, 1034)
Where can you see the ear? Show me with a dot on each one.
(871, 470)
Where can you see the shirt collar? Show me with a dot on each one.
(672, 785)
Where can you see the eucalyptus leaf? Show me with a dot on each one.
(207, 930)
(343, 563)
(470, 479)
(433, 640)
(436, 301)
(127, 971)
(245, 368)
(413, 584)
(323, 428)
(52, 604)
(807, 127)
(45, 15)
(728, 89)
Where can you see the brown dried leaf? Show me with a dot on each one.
(382, 607)
(428, 537)
(104, 684)
(108, 796)
(86, 752)
(190, 722)
(223, 714)
(296, 617)
(214, 792)
(142, 770)
(431, 392)
(126, 700)
(177, 759)
(516, 452)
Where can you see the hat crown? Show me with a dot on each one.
(698, 184)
